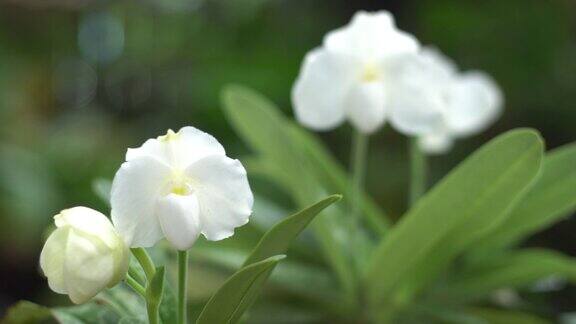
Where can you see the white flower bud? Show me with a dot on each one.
(84, 255)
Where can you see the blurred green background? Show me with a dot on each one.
(82, 80)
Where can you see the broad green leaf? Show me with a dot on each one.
(290, 151)
(155, 291)
(438, 313)
(238, 292)
(125, 298)
(498, 316)
(278, 238)
(91, 313)
(335, 177)
(168, 305)
(25, 312)
(284, 313)
(133, 320)
(509, 270)
(466, 203)
(552, 197)
(265, 130)
(307, 281)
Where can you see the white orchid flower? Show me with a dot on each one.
(351, 76)
(458, 104)
(178, 186)
(84, 255)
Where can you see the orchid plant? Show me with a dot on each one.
(443, 261)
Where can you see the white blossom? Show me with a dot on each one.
(84, 255)
(178, 186)
(352, 75)
(459, 104)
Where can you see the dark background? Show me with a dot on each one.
(82, 80)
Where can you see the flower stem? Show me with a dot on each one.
(153, 310)
(136, 275)
(130, 281)
(418, 171)
(145, 261)
(152, 304)
(359, 154)
(182, 285)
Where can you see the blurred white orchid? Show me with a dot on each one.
(455, 104)
(84, 255)
(352, 75)
(178, 186)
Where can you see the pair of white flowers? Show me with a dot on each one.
(370, 73)
(176, 186)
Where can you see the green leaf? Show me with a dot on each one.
(509, 270)
(238, 292)
(266, 131)
(155, 290)
(134, 320)
(466, 203)
(168, 305)
(334, 176)
(552, 197)
(25, 312)
(291, 154)
(90, 313)
(278, 238)
(307, 281)
(497, 316)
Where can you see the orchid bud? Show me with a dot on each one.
(84, 255)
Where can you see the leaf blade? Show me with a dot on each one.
(484, 184)
(278, 238)
(510, 270)
(552, 197)
(237, 293)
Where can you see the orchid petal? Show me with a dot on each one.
(223, 193)
(436, 143)
(136, 187)
(366, 105)
(319, 92)
(370, 36)
(475, 101)
(179, 219)
(174, 148)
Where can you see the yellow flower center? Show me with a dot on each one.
(180, 184)
(370, 73)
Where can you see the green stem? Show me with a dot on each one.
(130, 281)
(418, 171)
(145, 261)
(152, 305)
(153, 310)
(136, 275)
(357, 252)
(182, 285)
(359, 154)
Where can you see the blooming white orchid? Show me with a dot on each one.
(84, 255)
(457, 104)
(178, 186)
(352, 75)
